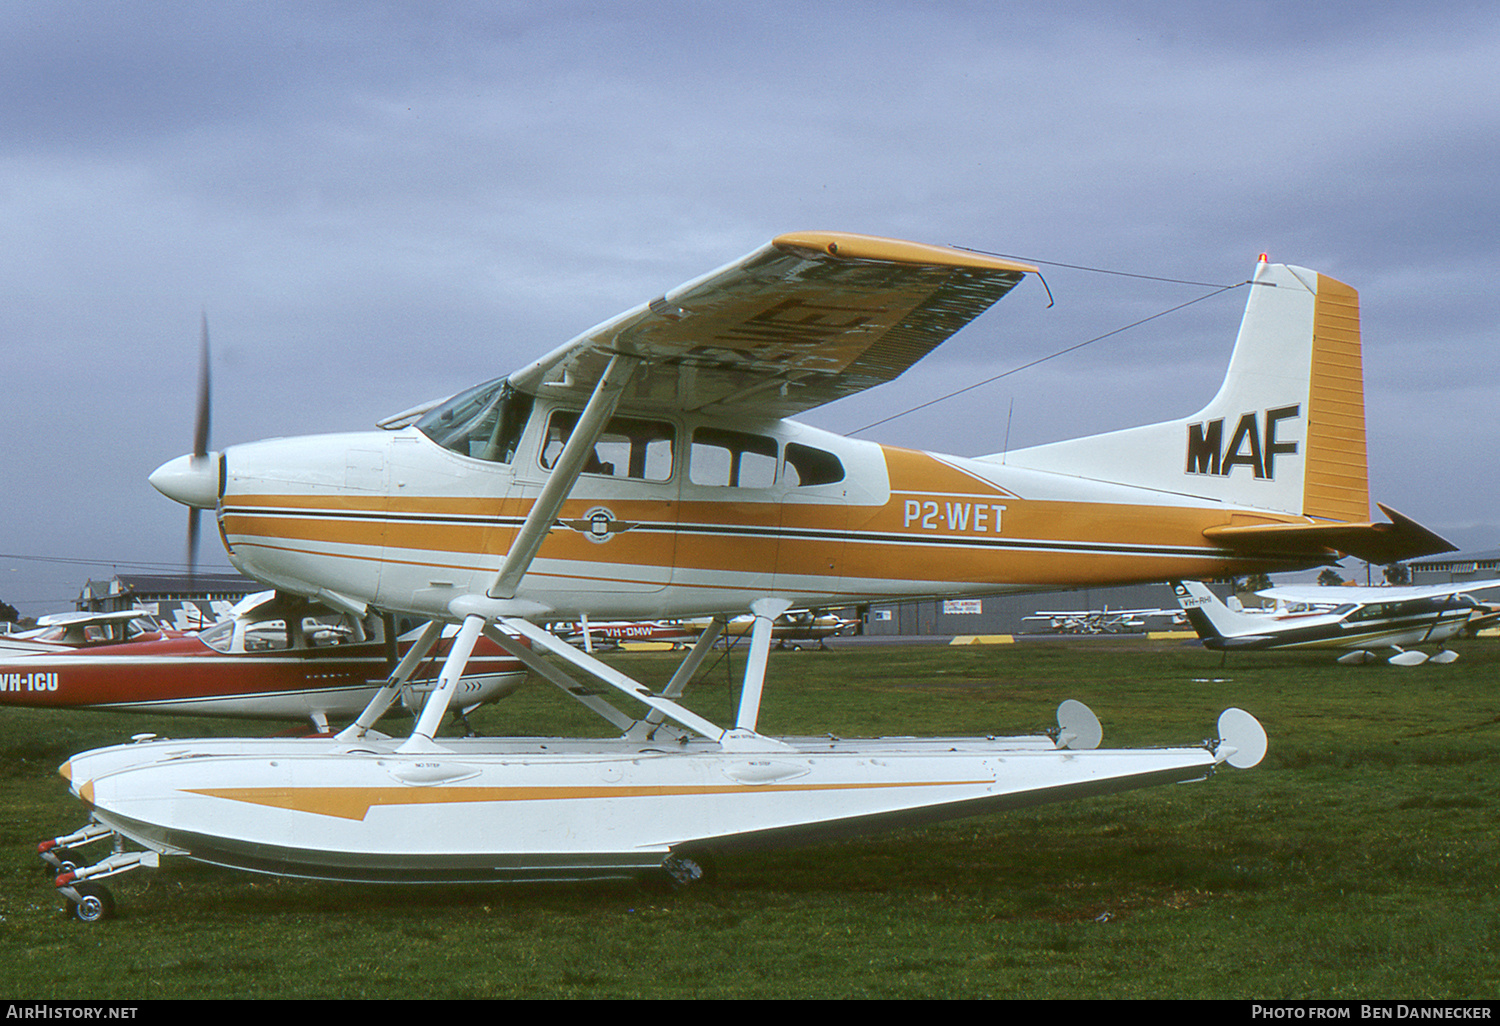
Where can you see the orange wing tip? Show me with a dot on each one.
(848, 246)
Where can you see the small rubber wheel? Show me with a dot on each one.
(66, 860)
(94, 905)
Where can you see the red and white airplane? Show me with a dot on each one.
(276, 657)
(648, 469)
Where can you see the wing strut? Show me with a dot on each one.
(523, 549)
(539, 521)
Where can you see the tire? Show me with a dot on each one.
(67, 862)
(95, 904)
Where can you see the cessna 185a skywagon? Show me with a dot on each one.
(647, 469)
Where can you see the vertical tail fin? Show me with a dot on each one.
(1286, 431)
(1211, 618)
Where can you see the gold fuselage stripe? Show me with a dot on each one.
(355, 802)
(940, 524)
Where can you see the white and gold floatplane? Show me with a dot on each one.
(648, 469)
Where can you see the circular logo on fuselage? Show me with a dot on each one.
(599, 525)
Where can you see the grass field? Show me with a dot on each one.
(1358, 861)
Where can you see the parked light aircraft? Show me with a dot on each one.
(648, 469)
(795, 628)
(277, 656)
(792, 629)
(613, 633)
(57, 632)
(1101, 621)
(1361, 620)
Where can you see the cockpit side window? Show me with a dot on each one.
(627, 447)
(733, 459)
(806, 466)
(484, 423)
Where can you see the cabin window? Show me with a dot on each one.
(627, 447)
(732, 459)
(484, 423)
(806, 466)
(327, 631)
(266, 636)
(314, 630)
(1379, 611)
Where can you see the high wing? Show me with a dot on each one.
(808, 318)
(1318, 594)
(86, 619)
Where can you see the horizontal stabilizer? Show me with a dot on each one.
(1253, 641)
(1482, 622)
(1402, 538)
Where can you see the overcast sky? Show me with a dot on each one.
(381, 203)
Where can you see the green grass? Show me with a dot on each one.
(1358, 861)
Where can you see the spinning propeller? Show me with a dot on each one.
(193, 480)
(200, 440)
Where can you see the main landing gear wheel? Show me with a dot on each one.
(94, 903)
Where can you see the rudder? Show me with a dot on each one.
(1336, 485)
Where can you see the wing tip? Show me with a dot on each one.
(852, 246)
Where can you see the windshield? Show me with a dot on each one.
(484, 423)
(219, 636)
